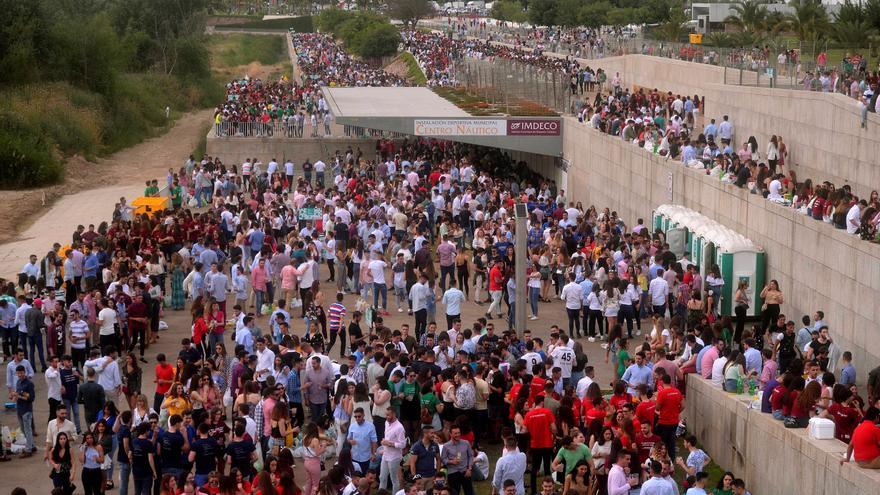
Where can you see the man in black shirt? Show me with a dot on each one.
(123, 437)
(143, 464)
(240, 453)
(172, 443)
(204, 453)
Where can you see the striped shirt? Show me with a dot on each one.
(336, 312)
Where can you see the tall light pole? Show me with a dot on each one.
(521, 216)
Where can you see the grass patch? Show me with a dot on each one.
(494, 104)
(302, 24)
(413, 71)
(233, 50)
(40, 124)
(202, 146)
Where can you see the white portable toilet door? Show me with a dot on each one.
(677, 240)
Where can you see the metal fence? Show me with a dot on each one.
(742, 66)
(252, 130)
(501, 82)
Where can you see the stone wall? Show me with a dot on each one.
(768, 456)
(818, 267)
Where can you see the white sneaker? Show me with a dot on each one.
(400, 310)
(591, 339)
(533, 317)
(604, 346)
(638, 333)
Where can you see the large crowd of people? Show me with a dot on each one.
(255, 107)
(272, 267)
(668, 125)
(436, 53)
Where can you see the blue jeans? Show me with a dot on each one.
(511, 316)
(259, 295)
(319, 178)
(73, 409)
(214, 339)
(124, 475)
(534, 292)
(200, 480)
(36, 340)
(25, 421)
(380, 289)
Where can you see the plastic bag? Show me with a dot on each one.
(227, 398)
(296, 302)
(258, 464)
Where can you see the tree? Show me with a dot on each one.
(594, 15)
(567, 12)
(376, 41)
(623, 16)
(542, 12)
(809, 21)
(508, 10)
(748, 15)
(409, 11)
(852, 25)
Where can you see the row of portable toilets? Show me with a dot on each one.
(711, 244)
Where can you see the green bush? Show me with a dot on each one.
(26, 159)
(366, 34)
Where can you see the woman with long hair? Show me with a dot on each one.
(63, 464)
(168, 485)
(131, 379)
(773, 299)
(725, 484)
(280, 427)
(602, 461)
(176, 402)
(263, 484)
(205, 394)
(577, 481)
(381, 402)
(734, 371)
(91, 457)
(141, 411)
(313, 448)
(610, 299)
(178, 297)
(343, 406)
(804, 406)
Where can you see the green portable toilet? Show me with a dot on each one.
(711, 244)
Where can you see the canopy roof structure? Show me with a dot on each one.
(725, 239)
(421, 112)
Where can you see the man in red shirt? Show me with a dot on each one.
(164, 379)
(645, 441)
(865, 444)
(496, 284)
(647, 408)
(541, 425)
(670, 403)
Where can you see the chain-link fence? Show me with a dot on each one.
(783, 64)
(505, 82)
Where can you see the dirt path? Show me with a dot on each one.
(31, 220)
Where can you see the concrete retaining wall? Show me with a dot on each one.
(235, 150)
(770, 458)
(818, 267)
